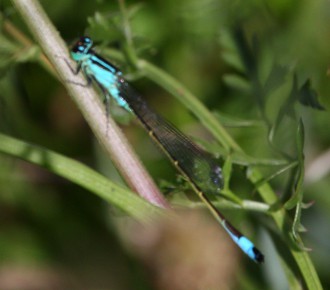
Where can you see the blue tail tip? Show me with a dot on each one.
(258, 256)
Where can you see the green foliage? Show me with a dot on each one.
(262, 70)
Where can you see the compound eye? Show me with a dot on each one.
(88, 40)
(81, 47)
(78, 48)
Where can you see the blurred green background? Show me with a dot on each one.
(55, 235)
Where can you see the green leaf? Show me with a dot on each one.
(233, 122)
(80, 174)
(297, 198)
(30, 54)
(287, 109)
(275, 174)
(134, 9)
(299, 176)
(226, 171)
(237, 82)
(230, 54)
(246, 52)
(275, 78)
(307, 96)
(8, 49)
(7, 46)
(102, 28)
(300, 137)
(243, 159)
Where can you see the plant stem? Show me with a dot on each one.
(105, 129)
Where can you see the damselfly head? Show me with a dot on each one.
(81, 48)
(87, 41)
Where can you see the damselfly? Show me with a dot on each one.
(198, 166)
